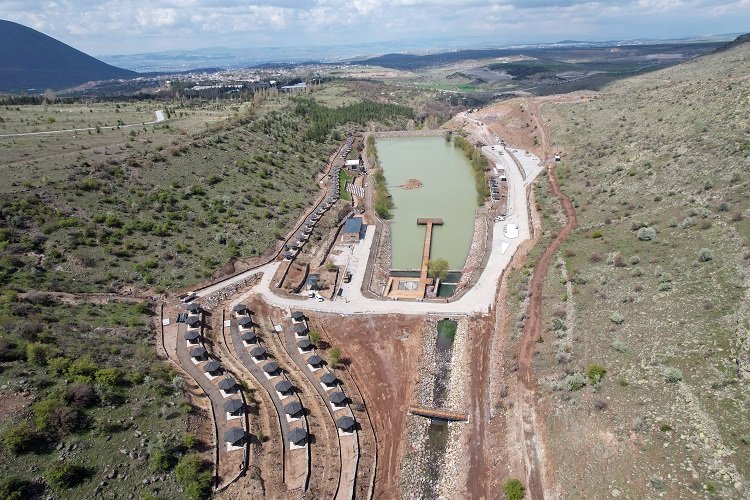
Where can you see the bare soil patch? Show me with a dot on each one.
(380, 353)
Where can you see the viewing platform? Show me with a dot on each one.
(415, 288)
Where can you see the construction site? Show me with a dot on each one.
(328, 372)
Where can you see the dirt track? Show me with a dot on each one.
(539, 477)
(381, 351)
(480, 342)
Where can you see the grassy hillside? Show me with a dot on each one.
(85, 405)
(644, 362)
(163, 214)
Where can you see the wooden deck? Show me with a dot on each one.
(392, 288)
(453, 416)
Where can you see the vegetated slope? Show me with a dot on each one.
(167, 215)
(33, 60)
(79, 378)
(158, 214)
(644, 365)
(80, 382)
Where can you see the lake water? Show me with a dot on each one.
(447, 192)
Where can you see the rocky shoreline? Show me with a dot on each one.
(479, 245)
(382, 261)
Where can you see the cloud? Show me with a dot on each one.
(120, 26)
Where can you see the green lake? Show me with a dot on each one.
(447, 192)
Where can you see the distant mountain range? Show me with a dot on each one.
(33, 61)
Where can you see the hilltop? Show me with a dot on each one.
(33, 60)
(642, 358)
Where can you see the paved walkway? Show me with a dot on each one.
(229, 460)
(296, 470)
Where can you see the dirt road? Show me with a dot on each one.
(539, 476)
(480, 343)
(381, 350)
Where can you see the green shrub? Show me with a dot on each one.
(596, 373)
(335, 356)
(616, 318)
(575, 381)
(314, 336)
(513, 489)
(647, 234)
(705, 255)
(82, 369)
(619, 346)
(189, 441)
(14, 488)
(56, 416)
(188, 468)
(19, 438)
(596, 233)
(109, 377)
(672, 375)
(161, 461)
(63, 475)
(58, 365)
(191, 472)
(37, 353)
(200, 488)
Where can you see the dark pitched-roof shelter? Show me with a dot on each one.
(299, 328)
(283, 386)
(304, 344)
(345, 423)
(338, 398)
(193, 307)
(234, 435)
(293, 408)
(245, 321)
(257, 352)
(328, 378)
(297, 436)
(271, 367)
(239, 308)
(193, 320)
(212, 366)
(314, 360)
(233, 406)
(198, 352)
(249, 337)
(227, 384)
(298, 315)
(192, 335)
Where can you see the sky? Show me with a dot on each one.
(105, 27)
